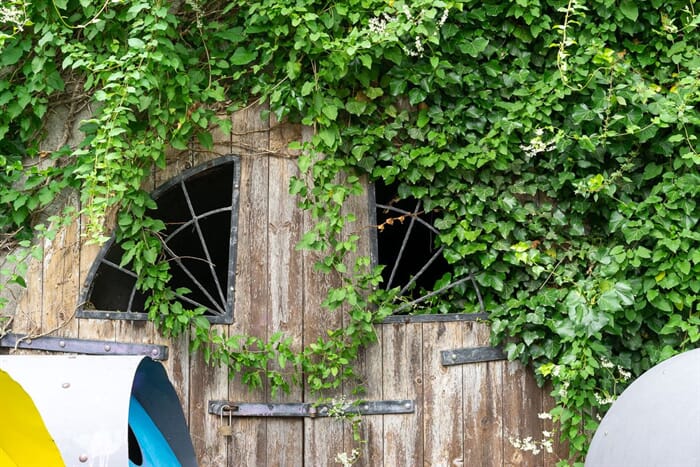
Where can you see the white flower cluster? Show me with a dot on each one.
(530, 445)
(443, 18)
(604, 400)
(12, 15)
(347, 460)
(624, 374)
(378, 25)
(537, 145)
(383, 26)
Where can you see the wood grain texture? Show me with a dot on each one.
(402, 378)
(483, 408)
(442, 398)
(285, 445)
(248, 446)
(522, 402)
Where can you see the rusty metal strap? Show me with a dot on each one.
(471, 355)
(83, 346)
(305, 409)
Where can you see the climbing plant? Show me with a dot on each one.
(554, 141)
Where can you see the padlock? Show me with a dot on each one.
(226, 430)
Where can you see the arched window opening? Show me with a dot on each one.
(200, 211)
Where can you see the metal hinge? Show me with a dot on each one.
(305, 409)
(83, 346)
(471, 355)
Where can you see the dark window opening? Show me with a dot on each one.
(406, 243)
(200, 212)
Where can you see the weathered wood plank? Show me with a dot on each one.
(483, 408)
(70, 283)
(285, 444)
(522, 402)
(560, 450)
(248, 446)
(207, 383)
(204, 382)
(28, 315)
(443, 438)
(369, 362)
(323, 438)
(103, 329)
(402, 378)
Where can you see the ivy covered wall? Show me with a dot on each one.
(554, 141)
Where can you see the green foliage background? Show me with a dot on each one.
(555, 140)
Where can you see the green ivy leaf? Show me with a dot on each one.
(629, 9)
(242, 56)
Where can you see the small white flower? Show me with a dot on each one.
(419, 45)
(443, 19)
(605, 363)
(626, 375)
(544, 416)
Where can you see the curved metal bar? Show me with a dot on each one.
(422, 270)
(203, 243)
(432, 294)
(194, 280)
(407, 213)
(403, 246)
(184, 225)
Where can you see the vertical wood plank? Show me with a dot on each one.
(204, 382)
(323, 437)
(285, 444)
(403, 378)
(522, 402)
(52, 296)
(70, 283)
(28, 314)
(371, 429)
(443, 442)
(483, 408)
(560, 450)
(369, 362)
(103, 329)
(248, 446)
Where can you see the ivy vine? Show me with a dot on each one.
(554, 141)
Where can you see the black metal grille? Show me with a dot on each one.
(405, 244)
(200, 212)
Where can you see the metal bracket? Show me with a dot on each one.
(471, 355)
(83, 346)
(305, 409)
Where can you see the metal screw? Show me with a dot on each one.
(28, 342)
(83, 458)
(453, 356)
(155, 352)
(107, 348)
(62, 344)
(365, 407)
(65, 385)
(408, 405)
